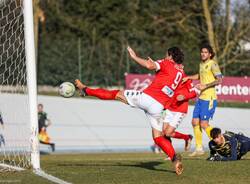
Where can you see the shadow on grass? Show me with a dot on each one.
(145, 165)
(150, 166)
(205, 158)
(194, 158)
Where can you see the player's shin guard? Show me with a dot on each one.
(208, 130)
(198, 137)
(166, 146)
(178, 135)
(102, 93)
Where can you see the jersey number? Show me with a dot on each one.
(170, 91)
(177, 80)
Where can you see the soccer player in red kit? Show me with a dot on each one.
(177, 110)
(169, 74)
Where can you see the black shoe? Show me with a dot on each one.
(83, 92)
(2, 140)
(52, 147)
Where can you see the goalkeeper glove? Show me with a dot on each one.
(215, 157)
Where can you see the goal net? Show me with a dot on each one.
(15, 129)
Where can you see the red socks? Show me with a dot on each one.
(102, 93)
(166, 146)
(179, 135)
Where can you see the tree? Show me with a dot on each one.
(106, 27)
(230, 32)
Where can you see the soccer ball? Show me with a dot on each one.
(67, 89)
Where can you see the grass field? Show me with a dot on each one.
(133, 168)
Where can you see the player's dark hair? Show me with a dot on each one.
(214, 133)
(176, 54)
(41, 105)
(209, 48)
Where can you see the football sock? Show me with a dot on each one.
(179, 135)
(208, 130)
(198, 136)
(102, 93)
(166, 146)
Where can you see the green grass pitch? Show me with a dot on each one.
(133, 168)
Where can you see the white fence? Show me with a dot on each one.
(80, 124)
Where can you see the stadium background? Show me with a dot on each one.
(88, 40)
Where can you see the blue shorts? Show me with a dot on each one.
(202, 110)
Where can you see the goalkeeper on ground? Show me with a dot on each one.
(228, 146)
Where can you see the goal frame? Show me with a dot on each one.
(31, 81)
(31, 85)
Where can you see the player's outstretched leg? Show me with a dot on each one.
(99, 92)
(82, 87)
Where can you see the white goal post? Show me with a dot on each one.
(31, 81)
(19, 146)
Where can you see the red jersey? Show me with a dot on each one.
(188, 91)
(167, 78)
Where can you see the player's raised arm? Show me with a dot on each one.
(146, 63)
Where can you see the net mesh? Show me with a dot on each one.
(14, 130)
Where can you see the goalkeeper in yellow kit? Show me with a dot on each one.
(209, 76)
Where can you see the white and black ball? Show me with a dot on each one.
(67, 89)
